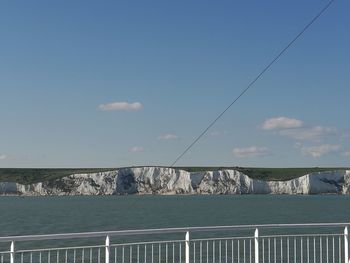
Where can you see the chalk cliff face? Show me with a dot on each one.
(159, 180)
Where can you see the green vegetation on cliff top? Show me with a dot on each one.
(34, 175)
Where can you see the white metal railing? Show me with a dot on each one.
(273, 243)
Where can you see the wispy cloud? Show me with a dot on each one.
(250, 151)
(346, 154)
(168, 136)
(218, 133)
(296, 129)
(281, 123)
(136, 149)
(3, 156)
(345, 134)
(308, 133)
(121, 106)
(318, 151)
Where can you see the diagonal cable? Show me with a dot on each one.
(253, 81)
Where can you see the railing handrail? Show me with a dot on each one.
(165, 231)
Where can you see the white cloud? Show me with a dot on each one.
(250, 151)
(281, 123)
(296, 129)
(346, 154)
(136, 149)
(3, 156)
(121, 106)
(308, 133)
(318, 151)
(168, 136)
(345, 135)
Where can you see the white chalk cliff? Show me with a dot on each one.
(160, 180)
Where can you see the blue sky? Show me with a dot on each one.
(119, 83)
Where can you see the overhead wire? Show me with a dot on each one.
(254, 81)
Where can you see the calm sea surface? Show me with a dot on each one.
(36, 215)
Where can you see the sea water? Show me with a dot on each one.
(60, 214)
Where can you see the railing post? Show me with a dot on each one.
(256, 245)
(12, 251)
(107, 250)
(346, 245)
(187, 247)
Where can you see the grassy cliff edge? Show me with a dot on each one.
(34, 175)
